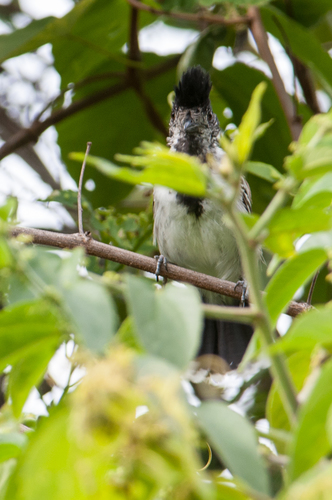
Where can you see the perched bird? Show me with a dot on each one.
(190, 231)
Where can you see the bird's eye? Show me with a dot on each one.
(210, 116)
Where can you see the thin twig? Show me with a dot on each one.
(79, 194)
(312, 288)
(186, 16)
(148, 264)
(260, 36)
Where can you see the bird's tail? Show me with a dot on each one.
(226, 339)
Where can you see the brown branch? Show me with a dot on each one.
(151, 112)
(31, 134)
(304, 76)
(8, 127)
(301, 72)
(135, 76)
(186, 16)
(141, 262)
(260, 36)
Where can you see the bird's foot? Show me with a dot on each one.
(161, 261)
(245, 292)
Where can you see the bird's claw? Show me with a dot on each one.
(161, 261)
(245, 292)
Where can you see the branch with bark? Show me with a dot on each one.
(141, 262)
(186, 16)
(260, 37)
(30, 135)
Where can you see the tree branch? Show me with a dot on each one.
(31, 134)
(148, 264)
(186, 16)
(8, 127)
(135, 76)
(260, 36)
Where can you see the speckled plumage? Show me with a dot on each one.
(190, 232)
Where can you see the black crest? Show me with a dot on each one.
(193, 89)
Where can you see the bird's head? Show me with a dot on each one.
(193, 127)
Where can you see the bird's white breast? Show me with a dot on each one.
(203, 244)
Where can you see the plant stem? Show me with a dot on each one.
(242, 315)
(251, 272)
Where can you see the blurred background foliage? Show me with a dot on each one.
(112, 89)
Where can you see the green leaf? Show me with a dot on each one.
(307, 12)
(234, 440)
(52, 455)
(228, 492)
(29, 371)
(92, 310)
(288, 224)
(168, 321)
(316, 193)
(9, 209)
(235, 85)
(11, 445)
(290, 276)
(125, 110)
(263, 170)
(25, 325)
(310, 441)
(301, 42)
(92, 32)
(244, 139)
(312, 485)
(308, 331)
(86, 303)
(163, 167)
(23, 40)
(298, 365)
(6, 257)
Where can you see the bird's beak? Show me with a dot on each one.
(192, 127)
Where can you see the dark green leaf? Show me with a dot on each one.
(23, 40)
(116, 125)
(306, 12)
(301, 42)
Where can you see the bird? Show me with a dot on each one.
(190, 231)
